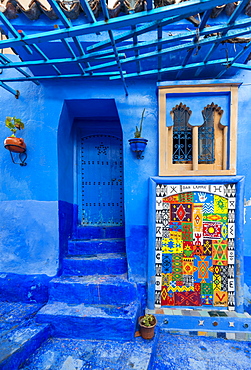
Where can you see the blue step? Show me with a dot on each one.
(19, 343)
(98, 232)
(95, 264)
(80, 246)
(93, 289)
(15, 312)
(90, 321)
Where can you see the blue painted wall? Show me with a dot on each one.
(34, 196)
(37, 202)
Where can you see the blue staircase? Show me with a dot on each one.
(20, 335)
(93, 299)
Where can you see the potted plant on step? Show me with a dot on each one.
(13, 143)
(147, 324)
(138, 144)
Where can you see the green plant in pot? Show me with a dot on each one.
(137, 133)
(13, 143)
(147, 324)
(138, 144)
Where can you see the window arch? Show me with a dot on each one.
(182, 134)
(211, 114)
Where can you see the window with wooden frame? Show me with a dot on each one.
(197, 130)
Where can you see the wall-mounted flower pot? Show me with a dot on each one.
(15, 144)
(138, 145)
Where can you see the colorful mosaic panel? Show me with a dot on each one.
(195, 245)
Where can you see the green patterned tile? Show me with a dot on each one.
(212, 334)
(204, 313)
(168, 311)
(242, 315)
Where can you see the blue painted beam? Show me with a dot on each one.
(136, 51)
(239, 55)
(8, 25)
(68, 47)
(177, 48)
(57, 61)
(242, 66)
(129, 34)
(173, 68)
(159, 45)
(88, 12)
(196, 39)
(106, 15)
(39, 51)
(237, 11)
(67, 23)
(78, 45)
(230, 23)
(149, 4)
(55, 6)
(184, 9)
(16, 93)
(13, 31)
(60, 77)
(204, 19)
(7, 61)
(144, 29)
(180, 37)
(140, 30)
(186, 46)
(70, 50)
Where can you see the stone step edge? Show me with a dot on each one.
(96, 256)
(17, 352)
(93, 279)
(100, 240)
(82, 310)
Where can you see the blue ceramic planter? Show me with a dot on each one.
(138, 146)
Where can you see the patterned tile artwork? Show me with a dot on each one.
(195, 245)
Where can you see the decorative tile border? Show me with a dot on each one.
(199, 313)
(195, 249)
(239, 336)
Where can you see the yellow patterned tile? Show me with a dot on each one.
(220, 205)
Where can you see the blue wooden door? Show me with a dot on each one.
(101, 182)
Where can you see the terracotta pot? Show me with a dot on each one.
(15, 144)
(147, 332)
(230, 8)
(217, 10)
(248, 9)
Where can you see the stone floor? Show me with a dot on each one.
(27, 345)
(178, 352)
(173, 352)
(74, 354)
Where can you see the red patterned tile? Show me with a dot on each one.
(187, 298)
